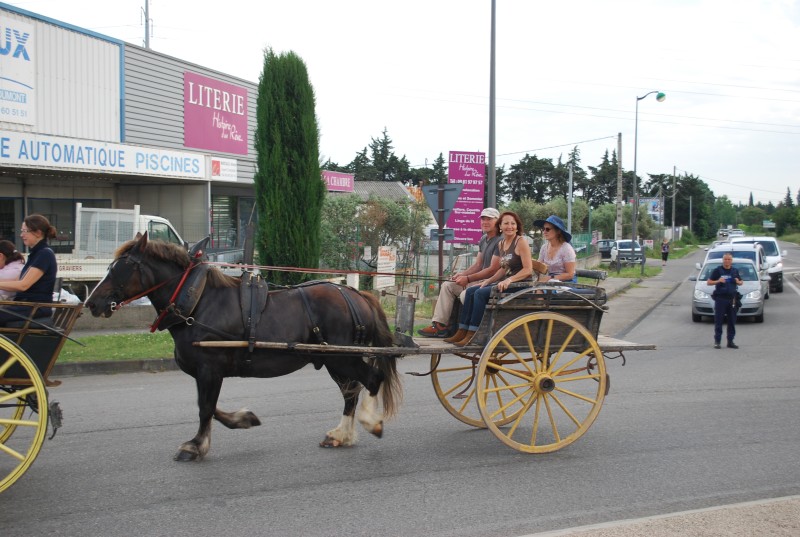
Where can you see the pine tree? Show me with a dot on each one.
(288, 183)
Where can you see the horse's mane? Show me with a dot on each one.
(173, 253)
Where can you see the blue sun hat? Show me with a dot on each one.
(559, 223)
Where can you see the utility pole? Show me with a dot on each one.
(569, 201)
(673, 202)
(618, 226)
(147, 24)
(491, 194)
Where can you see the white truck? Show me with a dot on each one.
(98, 233)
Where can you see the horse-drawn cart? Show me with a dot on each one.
(28, 350)
(534, 373)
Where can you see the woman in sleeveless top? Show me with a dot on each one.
(515, 266)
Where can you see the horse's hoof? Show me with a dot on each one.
(251, 420)
(378, 430)
(186, 456)
(330, 442)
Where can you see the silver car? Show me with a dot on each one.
(753, 290)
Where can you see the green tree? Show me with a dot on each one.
(752, 216)
(288, 184)
(788, 201)
(339, 231)
(603, 183)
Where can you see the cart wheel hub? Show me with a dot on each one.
(545, 383)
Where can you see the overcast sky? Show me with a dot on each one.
(568, 73)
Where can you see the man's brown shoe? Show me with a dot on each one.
(467, 338)
(434, 330)
(458, 336)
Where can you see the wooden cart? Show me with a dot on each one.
(28, 350)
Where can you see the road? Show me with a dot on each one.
(684, 427)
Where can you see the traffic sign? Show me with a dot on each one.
(441, 210)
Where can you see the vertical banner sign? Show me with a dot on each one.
(387, 263)
(17, 72)
(214, 115)
(468, 169)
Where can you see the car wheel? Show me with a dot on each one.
(779, 288)
(758, 318)
(697, 318)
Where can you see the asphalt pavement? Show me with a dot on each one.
(630, 301)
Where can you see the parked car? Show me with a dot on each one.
(715, 244)
(626, 252)
(754, 290)
(604, 248)
(774, 258)
(753, 252)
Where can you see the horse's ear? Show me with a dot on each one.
(197, 253)
(142, 242)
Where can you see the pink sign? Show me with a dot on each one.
(338, 182)
(214, 115)
(465, 219)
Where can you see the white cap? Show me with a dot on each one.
(491, 212)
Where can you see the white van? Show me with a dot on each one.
(774, 258)
(751, 251)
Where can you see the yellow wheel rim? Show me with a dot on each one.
(554, 372)
(455, 381)
(21, 439)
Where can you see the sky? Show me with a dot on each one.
(568, 73)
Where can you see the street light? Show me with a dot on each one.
(635, 212)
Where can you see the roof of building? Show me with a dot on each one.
(393, 190)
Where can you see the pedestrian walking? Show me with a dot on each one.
(664, 251)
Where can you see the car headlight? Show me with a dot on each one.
(753, 294)
(701, 295)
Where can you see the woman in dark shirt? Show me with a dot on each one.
(38, 276)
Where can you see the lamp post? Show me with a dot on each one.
(635, 211)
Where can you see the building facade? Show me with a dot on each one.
(91, 119)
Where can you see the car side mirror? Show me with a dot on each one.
(697, 266)
(692, 278)
(783, 253)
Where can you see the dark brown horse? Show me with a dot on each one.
(312, 313)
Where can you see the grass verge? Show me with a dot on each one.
(118, 347)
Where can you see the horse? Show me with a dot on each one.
(321, 313)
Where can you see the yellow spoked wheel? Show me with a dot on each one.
(553, 370)
(455, 382)
(21, 439)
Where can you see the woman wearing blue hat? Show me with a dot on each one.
(557, 253)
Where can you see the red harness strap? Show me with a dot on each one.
(154, 326)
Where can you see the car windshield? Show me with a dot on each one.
(626, 245)
(770, 248)
(746, 271)
(746, 254)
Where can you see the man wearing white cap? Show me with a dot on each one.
(482, 268)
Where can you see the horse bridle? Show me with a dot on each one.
(118, 289)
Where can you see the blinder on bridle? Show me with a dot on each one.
(120, 272)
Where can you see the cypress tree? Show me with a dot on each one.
(288, 183)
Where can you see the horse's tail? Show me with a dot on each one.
(392, 387)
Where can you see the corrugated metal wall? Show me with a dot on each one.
(78, 79)
(154, 103)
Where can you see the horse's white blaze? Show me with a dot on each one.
(345, 432)
(368, 415)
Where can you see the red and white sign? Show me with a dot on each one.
(338, 181)
(214, 115)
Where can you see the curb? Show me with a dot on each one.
(107, 368)
(633, 324)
